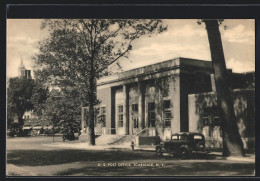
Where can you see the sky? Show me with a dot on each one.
(184, 38)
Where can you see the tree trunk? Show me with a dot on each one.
(20, 119)
(92, 99)
(92, 122)
(232, 143)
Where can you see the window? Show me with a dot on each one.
(151, 114)
(216, 121)
(206, 114)
(174, 137)
(135, 122)
(167, 118)
(197, 137)
(167, 113)
(120, 116)
(103, 110)
(120, 109)
(135, 115)
(205, 121)
(103, 115)
(182, 137)
(216, 114)
(210, 118)
(135, 107)
(120, 120)
(166, 104)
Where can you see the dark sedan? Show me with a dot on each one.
(182, 144)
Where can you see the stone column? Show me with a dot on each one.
(140, 105)
(126, 109)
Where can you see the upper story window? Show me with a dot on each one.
(103, 110)
(166, 104)
(135, 107)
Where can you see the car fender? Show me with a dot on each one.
(160, 146)
(185, 147)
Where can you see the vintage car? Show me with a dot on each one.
(182, 144)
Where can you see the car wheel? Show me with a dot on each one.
(159, 152)
(184, 153)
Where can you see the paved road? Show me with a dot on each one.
(40, 156)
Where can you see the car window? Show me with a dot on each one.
(174, 137)
(182, 137)
(197, 137)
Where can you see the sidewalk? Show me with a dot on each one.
(86, 146)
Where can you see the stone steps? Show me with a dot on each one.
(122, 141)
(107, 139)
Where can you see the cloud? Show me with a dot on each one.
(17, 47)
(188, 31)
(239, 34)
(21, 39)
(162, 49)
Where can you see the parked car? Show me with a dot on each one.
(27, 129)
(182, 144)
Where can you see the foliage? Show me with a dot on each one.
(74, 46)
(39, 98)
(63, 110)
(79, 51)
(19, 95)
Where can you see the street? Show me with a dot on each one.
(40, 156)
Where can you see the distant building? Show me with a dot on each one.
(161, 99)
(22, 72)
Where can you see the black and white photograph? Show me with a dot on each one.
(130, 97)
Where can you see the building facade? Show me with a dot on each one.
(153, 99)
(163, 98)
(206, 119)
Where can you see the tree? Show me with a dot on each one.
(79, 51)
(39, 99)
(19, 93)
(232, 143)
(63, 110)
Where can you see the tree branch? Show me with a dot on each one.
(122, 54)
(112, 35)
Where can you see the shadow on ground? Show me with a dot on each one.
(87, 163)
(54, 157)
